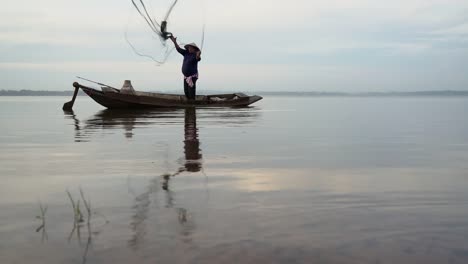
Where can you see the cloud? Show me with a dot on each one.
(460, 30)
(263, 43)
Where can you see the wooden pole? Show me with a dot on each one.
(69, 105)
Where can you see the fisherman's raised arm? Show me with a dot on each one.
(178, 48)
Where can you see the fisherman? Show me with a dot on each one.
(191, 55)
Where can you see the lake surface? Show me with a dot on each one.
(290, 180)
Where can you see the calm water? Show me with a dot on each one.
(291, 180)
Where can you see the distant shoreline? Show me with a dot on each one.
(447, 93)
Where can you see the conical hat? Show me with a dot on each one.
(193, 45)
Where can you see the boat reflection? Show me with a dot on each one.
(114, 119)
(129, 120)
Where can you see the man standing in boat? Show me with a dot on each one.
(191, 55)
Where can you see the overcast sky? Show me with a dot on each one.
(250, 45)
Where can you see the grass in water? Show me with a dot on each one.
(42, 217)
(77, 215)
(87, 204)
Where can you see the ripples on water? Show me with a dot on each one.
(291, 180)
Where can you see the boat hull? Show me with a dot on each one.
(116, 100)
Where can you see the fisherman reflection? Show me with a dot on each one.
(191, 163)
(192, 151)
(191, 143)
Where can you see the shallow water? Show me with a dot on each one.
(290, 180)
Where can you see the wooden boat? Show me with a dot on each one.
(114, 98)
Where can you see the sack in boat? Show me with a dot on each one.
(109, 90)
(217, 99)
(127, 88)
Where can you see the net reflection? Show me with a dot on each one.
(143, 201)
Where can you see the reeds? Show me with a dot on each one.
(42, 217)
(81, 220)
(87, 204)
(78, 216)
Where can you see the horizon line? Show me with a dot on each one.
(26, 92)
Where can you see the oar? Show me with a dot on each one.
(69, 105)
(102, 84)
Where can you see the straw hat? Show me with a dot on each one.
(193, 45)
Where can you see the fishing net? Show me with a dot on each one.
(153, 22)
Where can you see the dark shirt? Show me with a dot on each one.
(190, 64)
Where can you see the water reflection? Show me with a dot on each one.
(141, 210)
(158, 200)
(148, 199)
(77, 230)
(191, 143)
(70, 114)
(112, 119)
(43, 229)
(130, 120)
(143, 201)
